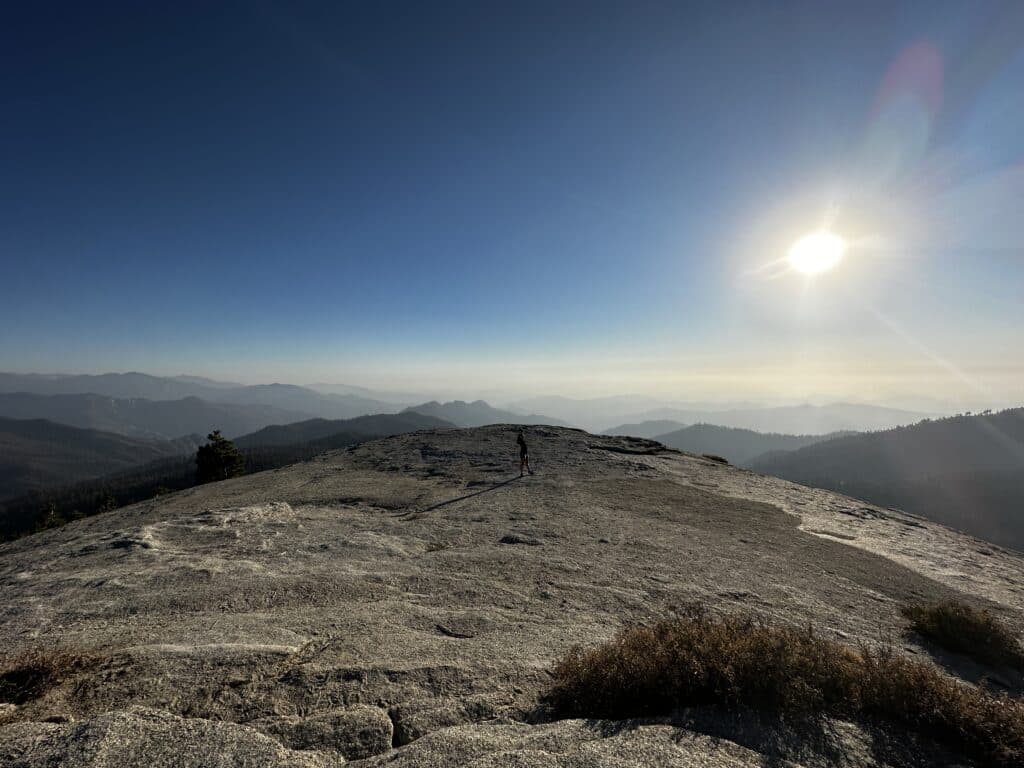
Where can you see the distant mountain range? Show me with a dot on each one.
(630, 412)
(796, 419)
(648, 429)
(792, 420)
(965, 471)
(145, 418)
(36, 454)
(205, 382)
(341, 401)
(402, 399)
(362, 427)
(118, 385)
(739, 446)
(478, 414)
(300, 401)
(592, 414)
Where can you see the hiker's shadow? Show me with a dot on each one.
(439, 505)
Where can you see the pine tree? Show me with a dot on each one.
(219, 459)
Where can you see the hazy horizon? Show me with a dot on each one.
(510, 202)
(629, 401)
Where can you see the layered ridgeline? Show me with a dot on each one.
(479, 413)
(341, 431)
(298, 402)
(812, 419)
(740, 446)
(139, 404)
(266, 404)
(624, 414)
(647, 429)
(140, 417)
(117, 385)
(36, 454)
(964, 471)
(404, 602)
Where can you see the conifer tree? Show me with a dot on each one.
(219, 459)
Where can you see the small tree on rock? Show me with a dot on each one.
(219, 459)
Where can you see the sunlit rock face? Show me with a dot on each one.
(402, 601)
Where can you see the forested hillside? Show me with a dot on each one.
(964, 471)
(53, 506)
(36, 454)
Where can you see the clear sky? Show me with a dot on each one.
(575, 198)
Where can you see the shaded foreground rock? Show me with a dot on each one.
(366, 607)
(355, 732)
(142, 736)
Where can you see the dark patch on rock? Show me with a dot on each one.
(130, 543)
(453, 633)
(515, 538)
(649, 449)
(356, 732)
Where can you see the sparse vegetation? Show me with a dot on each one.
(740, 662)
(29, 675)
(962, 628)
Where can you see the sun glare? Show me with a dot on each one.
(816, 252)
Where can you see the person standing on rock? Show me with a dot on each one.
(524, 455)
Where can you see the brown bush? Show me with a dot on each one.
(739, 662)
(961, 628)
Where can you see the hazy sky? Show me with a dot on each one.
(580, 198)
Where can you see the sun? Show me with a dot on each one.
(816, 252)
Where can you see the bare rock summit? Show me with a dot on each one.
(401, 603)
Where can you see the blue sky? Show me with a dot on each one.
(580, 198)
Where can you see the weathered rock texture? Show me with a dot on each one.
(400, 603)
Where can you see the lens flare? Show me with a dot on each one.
(816, 252)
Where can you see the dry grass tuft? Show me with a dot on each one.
(961, 628)
(29, 675)
(738, 662)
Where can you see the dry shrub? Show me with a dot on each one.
(739, 662)
(961, 628)
(29, 675)
(895, 689)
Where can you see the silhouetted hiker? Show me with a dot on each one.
(524, 455)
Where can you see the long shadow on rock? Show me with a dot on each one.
(494, 487)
